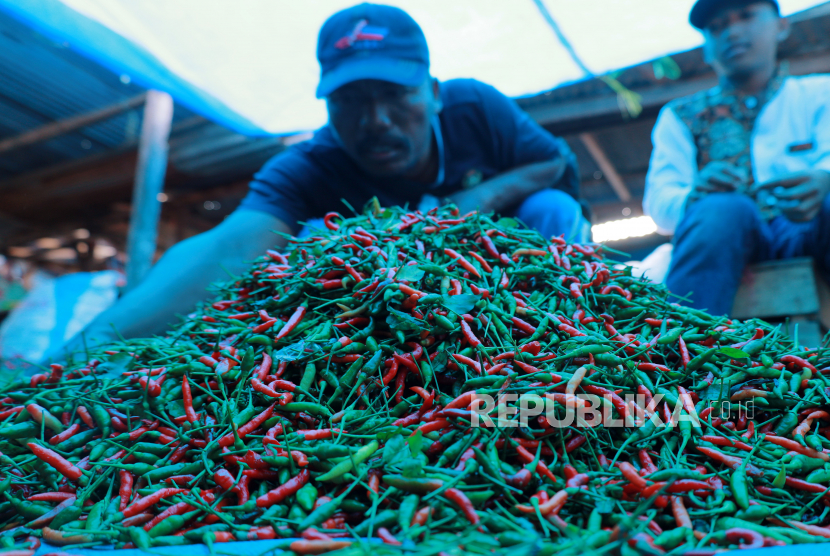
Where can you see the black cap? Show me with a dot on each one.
(703, 10)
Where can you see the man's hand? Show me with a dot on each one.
(718, 177)
(799, 195)
(477, 198)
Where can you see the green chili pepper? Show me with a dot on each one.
(162, 473)
(675, 474)
(96, 515)
(259, 339)
(306, 497)
(313, 408)
(756, 513)
(21, 430)
(699, 360)
(28, 510)
(141, 538)
(384, 518)
(444, 322)
(407, 509)
(351, 463)
(172, 524)
(671, 336)
(732, 522)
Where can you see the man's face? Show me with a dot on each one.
(384, 127)
(743, 38)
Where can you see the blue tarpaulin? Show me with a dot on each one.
(250, 65)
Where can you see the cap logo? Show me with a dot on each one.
(362, 32)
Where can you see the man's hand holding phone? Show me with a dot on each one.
(798, 196)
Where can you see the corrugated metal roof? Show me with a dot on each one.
(43, 82)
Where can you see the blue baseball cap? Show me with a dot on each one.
(703, 10)
(370, 41)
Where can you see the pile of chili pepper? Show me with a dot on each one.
(330, 397)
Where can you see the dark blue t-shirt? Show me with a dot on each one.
(482, 134)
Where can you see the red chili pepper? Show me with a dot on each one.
(318, 434)
(469, 335)
(574, 443)
(51, 497)
(400, 382)
(465, 264)
(175, 509)
(209, 361)
(187, 401)
(460, 499)
(653, 367)
(646, 463)
(68, 433)
(577, 481)
(687, 485)
(284, 491)
(247, 428)
(224, 479)
(257, 385)
(289, 326)
(467, 361)
(630, 473)
(799, 484)
(616, 289)
(798, 362)
(61, 465)
(527, 457)
(618, 403)
(523, 326)
(570, 330)
(388, 537)
(328, 221)
(745, 538)
(489, 246)
(278, 257)
(484, 264)
(150, 500)
(86, 416)
(723, 441)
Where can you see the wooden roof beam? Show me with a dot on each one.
(564, 117)
(605, 165)
(61, 127)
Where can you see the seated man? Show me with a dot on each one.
(739, 173)
(394, 133)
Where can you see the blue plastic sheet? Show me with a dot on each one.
(251, 66)
(241, 548)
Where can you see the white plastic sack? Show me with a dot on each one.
(655, 267)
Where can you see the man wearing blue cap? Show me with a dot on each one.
(394, 133)
(741, 173)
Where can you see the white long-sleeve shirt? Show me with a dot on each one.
(791, 134)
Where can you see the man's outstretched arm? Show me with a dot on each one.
(508, 188)
(180, 279)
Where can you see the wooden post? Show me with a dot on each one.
(605, 166)
(149, 182)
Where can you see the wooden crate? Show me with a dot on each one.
(786, 289)
(777, 289)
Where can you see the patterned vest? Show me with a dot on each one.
(721, 122)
